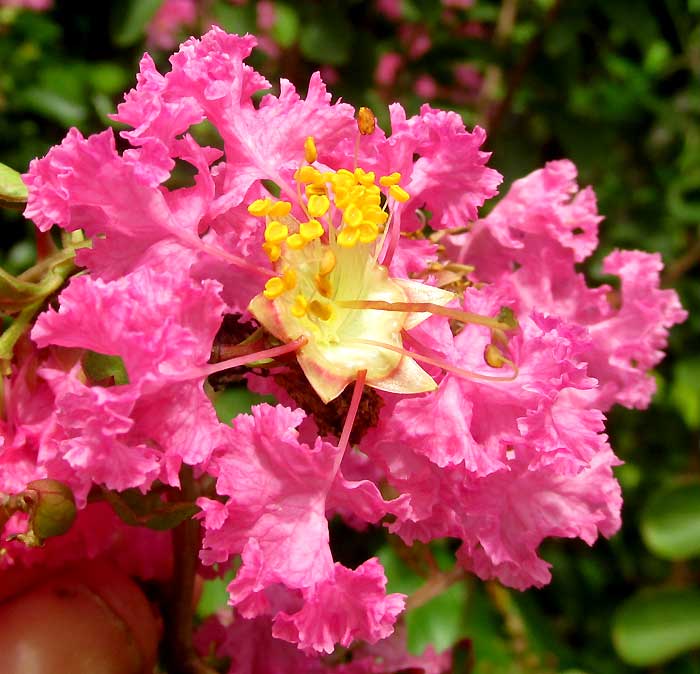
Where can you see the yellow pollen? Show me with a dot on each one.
(276, 232)
(318, 205)
(310, 153)
(321, 309)
(365, 121)
(323, 285)
(363, 178)
(295, 241)
(375, 214)
(327, 262)
(311, 230)
(493, 356)
(369, 231)
(289, 278)
(348, 237)
(260, 207)
(352, 215)
(300, 306)
(308, 174)
(274, 287)
(279, 209)
(315, 189)
(391, 179)
(399, 193)
(273, 251)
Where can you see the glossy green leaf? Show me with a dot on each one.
(656, 626)
(670, 523)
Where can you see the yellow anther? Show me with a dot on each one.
(311, 230)
(352, 215)
(315, 190)
(365, 121)
(399, 193)
(369, 231)
(318, 205)
(323, 285)
(391, 179)
(342, 197)
(327, 264)
(299, 306)
(493, 356)
(308, 174)
(363, 178)
(260, 207)
(375, 214)
(289, 278)
(348, 237)
(279, 209)
(273, 251)
(274, 287)
(295, 242)
(321, 309)
(276, 232)
(310, 153)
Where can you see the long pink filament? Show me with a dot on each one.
(448, 367)
(235, 260)
(245, 359)
(429, 307)
(352, 412)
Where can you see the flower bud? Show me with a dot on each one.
(51, 508)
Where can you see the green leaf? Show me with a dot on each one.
(671, 522)
(214, 595)
(138, 15)
(685, 390)
(327, 39)
(100, 367)
(12, 188)
(237, 400)
(149, 510)
(655, 626)
(286, 28)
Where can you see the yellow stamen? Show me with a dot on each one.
(369, 231)
(276, 232)
(366, 121)
(318, 205)
(310, 153)
(273, 251)
(352, 215)
(321, 309)
(279, 209)
(348, 237)
(300, 306)
(311, 230)
(274, 287)
(295, 242)
(391, 179)
(260, 207)
(399, 193)
(315, 189)
(308, 174)
(289, 278)
(323, 285)
(327, 262)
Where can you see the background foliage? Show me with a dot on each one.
(614, 86)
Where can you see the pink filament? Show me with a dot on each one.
(448, 367)
(352, 412)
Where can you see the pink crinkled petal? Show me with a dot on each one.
(512, 512)
(351, 605)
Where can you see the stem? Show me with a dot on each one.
(434, 586)
(180, 655)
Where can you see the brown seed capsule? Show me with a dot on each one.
(366, 121)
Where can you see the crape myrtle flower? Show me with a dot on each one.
(445, 372)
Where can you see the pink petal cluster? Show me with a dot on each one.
(498, 463)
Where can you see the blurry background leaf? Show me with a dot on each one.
(655, 626)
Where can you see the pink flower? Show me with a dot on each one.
(172, 16)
